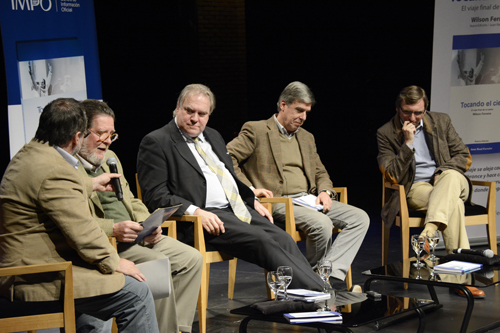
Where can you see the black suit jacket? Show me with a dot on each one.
(169, 174)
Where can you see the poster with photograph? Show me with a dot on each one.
(466, 85)
(466, 70)
(46, 79)
(50, 51)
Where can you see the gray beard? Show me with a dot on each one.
(91, 158)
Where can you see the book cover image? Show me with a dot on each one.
(46, 75)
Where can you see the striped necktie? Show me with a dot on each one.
(237, 204)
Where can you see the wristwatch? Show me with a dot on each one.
(330, 193)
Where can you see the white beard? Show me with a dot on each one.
(90, 157)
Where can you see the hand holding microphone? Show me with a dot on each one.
(111, 162)
(485, 253)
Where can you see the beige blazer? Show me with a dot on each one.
(135, 207)
(257, 158)
(46, 218)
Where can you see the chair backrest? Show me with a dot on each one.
(139, 192)
(64, 318)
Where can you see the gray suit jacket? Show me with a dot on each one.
(257, 159)
(397, 161)
(46, 218)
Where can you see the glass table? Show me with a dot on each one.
(382, 313)
(406, 272)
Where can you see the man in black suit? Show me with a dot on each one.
(187, 163)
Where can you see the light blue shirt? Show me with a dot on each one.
(215, 197)
(425, 163)
(73, 161)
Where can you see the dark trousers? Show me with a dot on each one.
(264, 244)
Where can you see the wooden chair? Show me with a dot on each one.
(474, 215)
(209, 256)
(298, 235)
(63, 318)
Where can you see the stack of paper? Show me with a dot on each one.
(330, 317)
(308, 201)
(457, 267)
(305, 295)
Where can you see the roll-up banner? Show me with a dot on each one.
(466, 85)
(50, 51)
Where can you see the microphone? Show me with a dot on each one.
(485, 253)
(111, 162)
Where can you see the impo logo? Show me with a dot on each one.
(45, 5)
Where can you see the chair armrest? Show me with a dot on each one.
(66, 267)
(199, 237)
(172, 228)
(491, 200)
(400, 189)
(342, 194)
(290, 226)
(33, 269)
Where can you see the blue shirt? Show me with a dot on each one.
(425, 163)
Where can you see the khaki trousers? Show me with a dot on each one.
(444, 203)
(176, 312)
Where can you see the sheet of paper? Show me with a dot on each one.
(157, 273)
(154, 221)
(309, 201)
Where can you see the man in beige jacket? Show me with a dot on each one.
(120, 219)
(45, 218)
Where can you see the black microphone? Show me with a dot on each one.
(485, 253)
(111, 162)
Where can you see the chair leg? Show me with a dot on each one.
(348, 279)
(491, 231)
(203, 299)
(270, 295)
(386, 233)
(232, 278)
(114, 327)
(405, 243)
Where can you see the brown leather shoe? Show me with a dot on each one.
(476, 293)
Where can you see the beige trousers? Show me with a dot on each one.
(444, 203)
(176, 312)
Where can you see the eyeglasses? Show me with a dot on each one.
(409, 113)
(104, 136)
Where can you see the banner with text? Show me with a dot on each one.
(466, 84)
(466, 70)
(50, 51)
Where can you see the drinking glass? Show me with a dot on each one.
(418, 245)
(325, 269)
(286, 276)
(433, 242)
(275, 282)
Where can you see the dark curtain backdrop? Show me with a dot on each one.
(354, 55)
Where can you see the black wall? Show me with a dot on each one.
(354, 55)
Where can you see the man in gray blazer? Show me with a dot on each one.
(422, 151)
(45, 218)
(276, 157)
(120, 219)
(185, 162)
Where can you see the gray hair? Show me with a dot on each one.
(195, 89)
(296, 91)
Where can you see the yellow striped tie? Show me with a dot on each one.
(237, 204)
